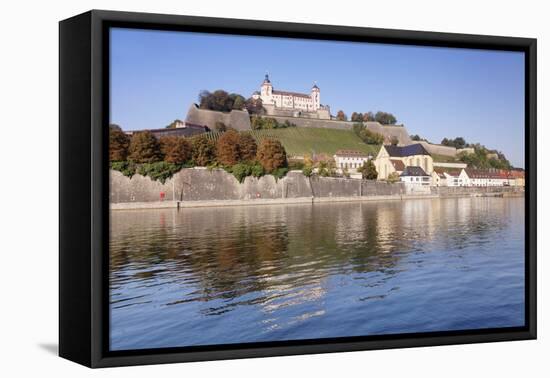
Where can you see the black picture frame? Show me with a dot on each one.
(83, 182)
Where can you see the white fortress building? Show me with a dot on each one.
(293, 104)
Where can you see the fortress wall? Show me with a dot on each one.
(438, 149)
(199, 184)
(237, 119)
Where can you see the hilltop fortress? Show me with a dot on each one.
(303, 110)
(285, 103)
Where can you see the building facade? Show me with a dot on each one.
(392, 159)
(288, 100)
(350, 159)
(413, 175)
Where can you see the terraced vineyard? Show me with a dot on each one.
(299, 141)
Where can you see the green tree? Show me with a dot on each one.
(356, 117)
(176, 149)
(118, 144)
(254, 106)
(341, 116)
(239, 101)
(368, 170)
(220, 100)
(271, 155)
(204, 151)
(144, 148)
(385, 118)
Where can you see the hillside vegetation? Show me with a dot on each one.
(302, 141)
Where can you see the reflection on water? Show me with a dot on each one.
(248, 274)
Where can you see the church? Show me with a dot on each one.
(299, 104)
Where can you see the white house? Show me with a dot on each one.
(350, 159)
(486, 177)
(413, 175)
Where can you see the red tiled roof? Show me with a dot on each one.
(398, 165)
(484, 174)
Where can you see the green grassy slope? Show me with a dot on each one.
(301, 141)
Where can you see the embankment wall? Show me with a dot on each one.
(203, 185)
(199, 184)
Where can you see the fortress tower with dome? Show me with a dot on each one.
(293, 104)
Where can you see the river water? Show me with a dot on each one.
(287, 272)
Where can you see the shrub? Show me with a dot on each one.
(175, 149)
(257, 170)
(127, 168)
(393, 177)
(271, 155)
(144, 148)
(204, 151)
(307, 170)
(160, 171)
(296, 165)
(371, 137)
(259, 123)
(241, 170)
(118, 144)
(279, 172)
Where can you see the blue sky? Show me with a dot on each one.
(434, 92)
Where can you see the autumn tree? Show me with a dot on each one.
(341, 116)
(234, 147)
(118, 144)
(271, 155)
(247, 147)
(144, 148)
(227, 148)
(175, 149)
(204, 151)
(368, 117)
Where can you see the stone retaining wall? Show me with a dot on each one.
(201, 184)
